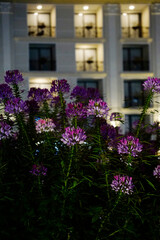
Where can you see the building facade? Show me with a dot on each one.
(112, 47)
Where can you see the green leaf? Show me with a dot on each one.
(151, 184)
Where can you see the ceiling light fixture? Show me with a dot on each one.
(131, 7)
(85, 7)
(39, 7)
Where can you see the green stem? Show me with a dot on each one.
(107, 216)
(69, 168)
(63, 114)
(99, 134)
(146, 106)
(23, 131)
(107, 184)
(16, 91)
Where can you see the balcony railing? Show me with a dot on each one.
(42, 65)
(89, 66)
(135, 32)
(41, 31)
(138, 65)
(88, 32)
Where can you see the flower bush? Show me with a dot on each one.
(67, 174)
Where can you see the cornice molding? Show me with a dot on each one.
(85, 1)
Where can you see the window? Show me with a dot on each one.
(40, 24)
(131, 25)
(42, 57)
(134, 94)
(131, 121)
(135, 58)
(86, 60)
(90, 83)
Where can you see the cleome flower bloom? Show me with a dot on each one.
(45, 125)
(60, 86)
(152, 84)
(122, 184)
(39, 95)
(13, 77)
(15, 106)
(79, 92)
(75, 110)
(129, 145)
(97, 108)
(5, 130)
(38, 170)
(5, 92)
(156, 172)
(73, 136)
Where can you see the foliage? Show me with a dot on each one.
(67, 174)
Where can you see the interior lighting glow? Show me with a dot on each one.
(80, 14)
(131, 7)
(39, 7)
(124, 14)
(85, 7)
(36, 13)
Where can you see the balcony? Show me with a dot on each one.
(136, 57)
(136, 65)
(42, 57)
(41, 31)
(88, 32)
(41, 21)
(135, 21)
(89, 66)
(88, 21)
(135, 32)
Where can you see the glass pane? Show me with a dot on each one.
(32, 19)
(90, 20)
(91, 85)
(45, 59)
(34, 59)
(43, 20)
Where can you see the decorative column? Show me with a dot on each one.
(112, 51)
(5, 16)
(155, 57)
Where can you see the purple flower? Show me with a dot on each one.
(73, 136)
(60, 86)
(97, 108)
(122, 184)
(156, 172)
(116, 116)
(5, 92)
(40, 95)
(75, 110)
(32, 106)
(79, 92)
(38, 170)
(45, 125)
(13, 77)
(152, 84)
(5, 130)
(108, 131)
(15, 106)
(129, 145)
(92, 93)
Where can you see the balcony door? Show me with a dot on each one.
(86, 59)
(39, 24)
(86, 25)
(131, 25)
